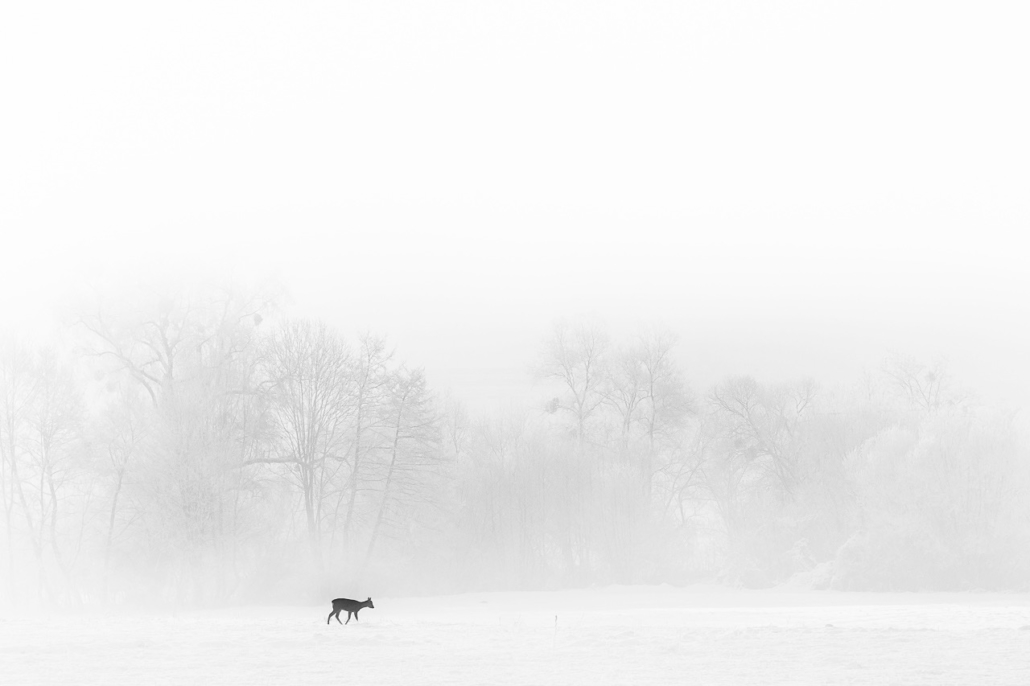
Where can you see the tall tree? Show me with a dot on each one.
(120, 437)
(765, 423)
(412, 450)
(306, 367)
(55, 422)
(17, 391)
(192, 354)
(370, 379)
(575, 356)
(925, 386)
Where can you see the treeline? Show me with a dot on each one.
(193, 449)
(201, 448)
(901, 482)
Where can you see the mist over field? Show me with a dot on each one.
(196, 444)
(605, 342)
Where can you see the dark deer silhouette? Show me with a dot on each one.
(351, 606)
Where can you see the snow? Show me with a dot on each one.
(618, 635)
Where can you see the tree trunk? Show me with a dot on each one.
(386, 495)
(353, 486)
(110, 534)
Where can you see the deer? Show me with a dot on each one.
(351, 606)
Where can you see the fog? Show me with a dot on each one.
(422, 299)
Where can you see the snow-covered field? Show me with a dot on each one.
(620, 635)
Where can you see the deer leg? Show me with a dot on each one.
(330, 617)
(348, 617)
(356, 615)
(338, 616)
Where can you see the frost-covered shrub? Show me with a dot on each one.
(940, 507)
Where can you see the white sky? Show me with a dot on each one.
(793, 186)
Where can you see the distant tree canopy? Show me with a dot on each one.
(201, 448)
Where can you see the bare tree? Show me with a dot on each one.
(192, 354)
(54, 421)
(120, 437)
(667, 399)
(928, 387)
(413, 448)
(575, 356)
(624, 391)
(369, 381)
(456, 427)
(17, 391)
(765, 423)
(306, 368)
(166, 337)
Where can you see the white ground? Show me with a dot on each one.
(605, 636)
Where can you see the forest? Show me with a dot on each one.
(199, 447)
